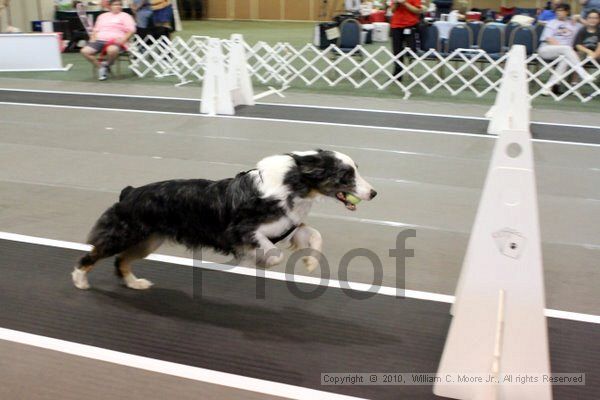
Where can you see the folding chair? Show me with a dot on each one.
(475, 28)
(508, 29)
(349, 35)
(460, 37)
(430, 39)
(350, 31)
(491, 39)
(526, 36)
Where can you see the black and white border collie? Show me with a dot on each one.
(244, 216)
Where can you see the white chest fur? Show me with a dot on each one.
(294, 216)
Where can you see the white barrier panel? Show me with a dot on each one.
(30, 52)
(216, 94)
(498, 327)
(513, 105)
(462, 71)
(238, 76)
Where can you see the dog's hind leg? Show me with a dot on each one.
(308, 237)
(86, 263)
(136, 252)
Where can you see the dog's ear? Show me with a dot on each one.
(314, 167)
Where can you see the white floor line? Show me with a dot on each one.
(99, 94)
(169, 368)
(293, 105)
(251, 119)
(280, 276)
(486, 136)
(291, 121)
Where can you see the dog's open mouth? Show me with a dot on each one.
(341, 196)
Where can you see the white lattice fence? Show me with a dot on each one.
(282, 64)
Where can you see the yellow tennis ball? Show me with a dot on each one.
(352, 199)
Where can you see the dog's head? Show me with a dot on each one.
(322, 172)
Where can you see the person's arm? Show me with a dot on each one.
(582, 49)
(596, 53)
(127, 37)
(548, 34)
(586, 51)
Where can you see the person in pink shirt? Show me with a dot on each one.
(110, 35)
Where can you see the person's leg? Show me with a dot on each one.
(570, 59)
(409, 41)
(573, 60)
(90, 54)
(112, 52)
(144, 22)
(396, 47)
(550, 53)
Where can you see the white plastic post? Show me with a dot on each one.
(239, 80)
(498, 327)
(512, 105)
(216, 96)
(177, 17)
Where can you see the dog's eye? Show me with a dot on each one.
(347, 177)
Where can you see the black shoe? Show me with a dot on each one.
(557, 89)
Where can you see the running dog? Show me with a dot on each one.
(244, 216)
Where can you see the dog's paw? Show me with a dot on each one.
(310, 262)
(273, 261)
(137, 283)
(80, 279)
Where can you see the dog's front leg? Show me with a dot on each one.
(267, 254)
(308, 237)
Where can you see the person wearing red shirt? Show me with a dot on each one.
(405, 18)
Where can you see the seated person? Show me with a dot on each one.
(557, 39)
(110, 35)
(587, 41)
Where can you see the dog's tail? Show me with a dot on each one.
(125, 192)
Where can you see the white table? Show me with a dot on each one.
(30, 52)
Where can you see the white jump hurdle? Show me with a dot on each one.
(498, 327)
